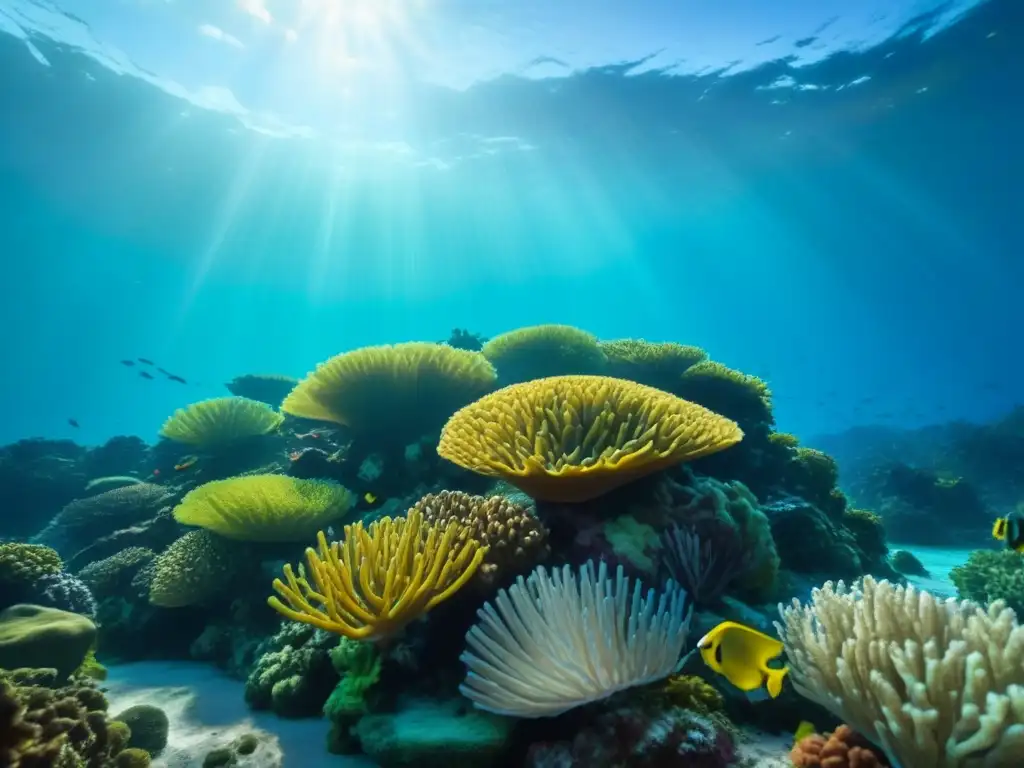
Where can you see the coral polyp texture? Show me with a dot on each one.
(220, 422)
(573, 438)
(657, 364)
(539, 351)
(392, 393)
(515, 538)
(376, 580)
(269, 508)
(197, 568)
(553, 642)
(747, 399)
(931, 683)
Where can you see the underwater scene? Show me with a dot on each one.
(520, 384)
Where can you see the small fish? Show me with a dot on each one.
(144, 361)
(156, 473)
(804, 730)
(73, 423)
(369, 498)
(172, 377)
(146, 374)
(185, 463)
(129, 363)
(1010, 529)
(741, 654)
(315, 434)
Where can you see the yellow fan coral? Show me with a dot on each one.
(392, 393)
(270, 508)
(573, 438)
(374, 582)
(220, 421)
(538, 351)
(744, 398)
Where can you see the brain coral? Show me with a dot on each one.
(394, 393)
(269, 508)
(222, 421)
(573, 438)
(196, 568)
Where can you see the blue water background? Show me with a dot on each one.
(850, 228)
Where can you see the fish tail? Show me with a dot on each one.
(774, 679)
(999, 529)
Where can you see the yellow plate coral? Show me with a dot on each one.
(220, 421)
(573, 438)
(392, 393)
(270, 508)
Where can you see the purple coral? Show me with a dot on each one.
(703, 561)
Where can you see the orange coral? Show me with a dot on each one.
(842, 749)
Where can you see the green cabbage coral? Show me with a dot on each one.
(267, 508)
(221, 421)
(992, 575)
(21, 565)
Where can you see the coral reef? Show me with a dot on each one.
(197, 568)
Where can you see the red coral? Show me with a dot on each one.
(841, 749)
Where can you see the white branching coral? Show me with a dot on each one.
(935, 684)
(549, 644)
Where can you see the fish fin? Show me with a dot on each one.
(999, 529)
(774, 679)
(755, 696)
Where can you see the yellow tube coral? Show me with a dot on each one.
(374, 582)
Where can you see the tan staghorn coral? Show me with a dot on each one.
(220, 422)
(375, 581)
(932, 683)
(573, 438)
(516, 540)
(538, 351)
(392, 394)
(268, 508)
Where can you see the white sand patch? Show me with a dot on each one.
(207, 709)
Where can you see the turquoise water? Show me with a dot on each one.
(213, 215)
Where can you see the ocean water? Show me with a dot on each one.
(824, 196)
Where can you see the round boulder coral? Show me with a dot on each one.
(516, 539)
(574, 438)
(149, 726)
(33, 636)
